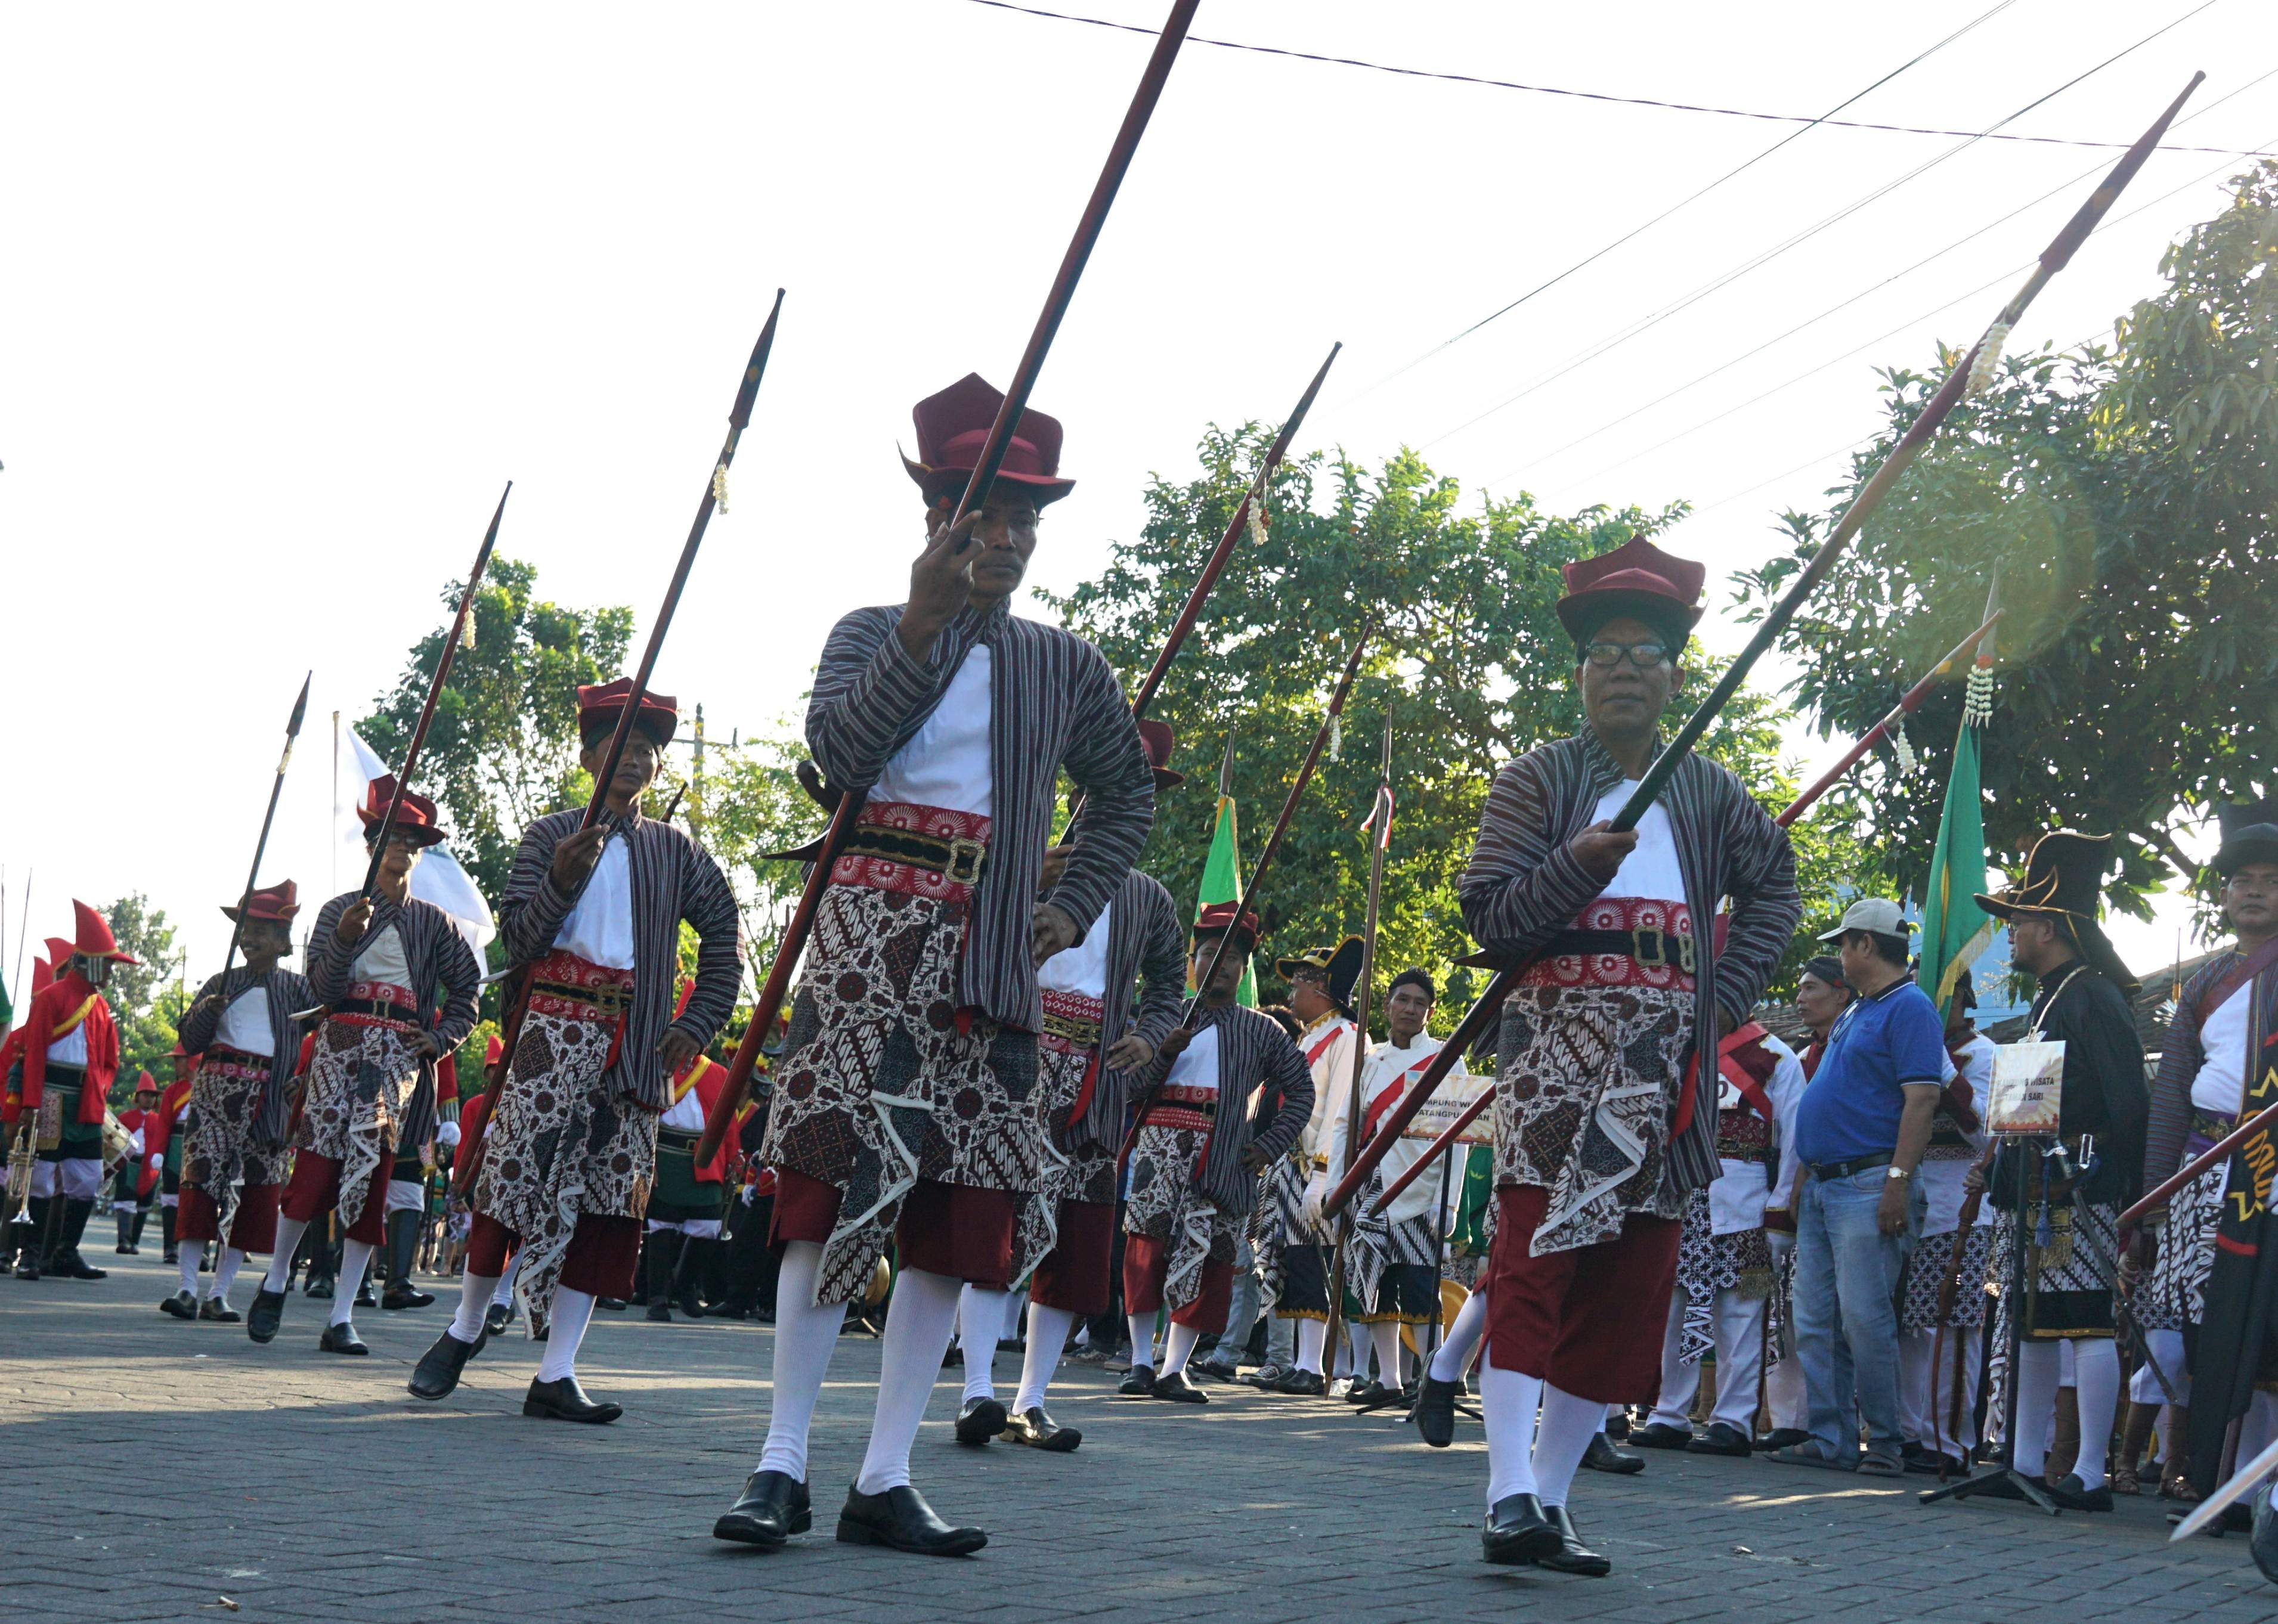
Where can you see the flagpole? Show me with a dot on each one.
(260, 846)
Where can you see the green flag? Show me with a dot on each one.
(7, 1010)
(1955, 930)
(1222, 881)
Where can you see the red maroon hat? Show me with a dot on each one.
(416, 819)
(59, 952)
(94, 940)
(277, 903)
(1636, 579)
(42, 976)
(1160, 740)
(598, 706)
(1219, 917)
(953, 425)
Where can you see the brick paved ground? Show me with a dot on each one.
(153, 1467)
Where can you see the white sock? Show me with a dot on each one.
(1568, 1423)
(1312, 1338)
(188, 1263)
(225, 1274)
(355, 1256)
(280, 1261)
(1048, 1330)
(1014, 1301)
(1384, 1335)
(1142, 1341)
(1179, 1346)
(2038, 1365)
(504, 1296)
(909, 1362)
(805, 1335)
(573, 1310)
(477, 1293)
(980, 1314)
(1507, 1401)
(2096, 1365)
(1452, 1355)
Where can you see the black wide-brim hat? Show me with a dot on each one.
(2064, 879)
(1339, 966)
(2250, 834)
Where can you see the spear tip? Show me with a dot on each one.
(300, 707)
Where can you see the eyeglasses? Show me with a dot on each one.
(1644, 656)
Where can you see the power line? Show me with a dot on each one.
(1586, 95)
(1726, 278)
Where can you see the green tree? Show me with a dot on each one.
(148, 999)
(503, 746)
(2125, 498)
(1469, 657)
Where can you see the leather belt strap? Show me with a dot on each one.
(1647, 947)
(1845, 1170)
(956, 859)
(610, 1001)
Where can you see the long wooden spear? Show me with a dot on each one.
(777, 986)
(715, 491)
(276, 788)
(1974, 368)
(434, 692)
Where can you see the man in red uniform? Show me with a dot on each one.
(132, 1184)
(11, 1079)
(69, 1059)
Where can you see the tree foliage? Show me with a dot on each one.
(2126, 498)
(147, 999)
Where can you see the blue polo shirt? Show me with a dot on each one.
(1879, 1045)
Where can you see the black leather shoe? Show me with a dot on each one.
(1139, 1384)
(1781, 1437)
(773, 1508)
(1572, 1556)
(979, 1420)
(1436, 1411)
(1370, 1392)
(1723, 1438)
(1603, 1456)
(1303, 1383)
(220, 1313)
(1518, 1535)
(565, 1400)
(2070, 1493)
(71, 1266)
(181, 1305)
(363, 1297)
(341, 1339)
(612, 1304)
(901, 1520)
(1177, 1389)
(1660, 1435)
(1617, 1427)
(440, 1365)
(659, 1311)
(266, 1315)
(1039, 1431)
(404, 1298)
(496, 1318)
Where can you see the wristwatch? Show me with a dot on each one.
(1897, 1174)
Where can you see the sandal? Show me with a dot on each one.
(1810, 1455)
(2179, 1490)
(2125, 1481)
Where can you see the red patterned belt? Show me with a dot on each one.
(1742, 1135)
(219, 1062)
(378, 1004)
(1182, 1107)
(927, 851)
(1621, 942)
(569, 988)
(1072, 1026)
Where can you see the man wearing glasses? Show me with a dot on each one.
(1600, 1138)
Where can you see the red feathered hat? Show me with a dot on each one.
(416, 819)
(1217, 918)
(1636, 579)
(599, 705)
(277, 903)
(1160, 741)
(94, 940)
(953, 425)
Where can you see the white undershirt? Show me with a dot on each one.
(245, 1023)
(947, 762)
(1196, 1066)
(1082, 968)
(381, 957)
(1945, 1180)
(71, 1049)
(1650, 869)
(600, 929)
(686, 1115)
(2221, 1085)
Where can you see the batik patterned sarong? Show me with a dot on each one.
(361, 1079)
(219, 1152)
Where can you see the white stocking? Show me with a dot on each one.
(504, 1296)
(280, 1261)
(1048, 1330)
(1450, 1358)
(806, 1335)
(477, 1293)
(188, 1265)
(979, 1314)
(1384, 1336)
(909, 1361)
(573, 1310)
(1507, 1401)
(2096, 1369)
(1178, 1346)
(1568, 1423)
(1312, 1336)
(355, 1257)
(2038, 1364)
(225, 1274)
(1142, 1341)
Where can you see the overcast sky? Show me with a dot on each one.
(291, 290)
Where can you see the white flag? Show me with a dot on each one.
(439, 879)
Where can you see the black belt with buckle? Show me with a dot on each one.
(1845, 1170)
(1647, 946)
(958, 859)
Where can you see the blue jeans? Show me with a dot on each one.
(1241, 1311)
(1847, 1318)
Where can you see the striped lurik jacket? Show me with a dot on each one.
(1523, 886)
(1054, 703)
(2169, 1128)
(673, 878)
(1146, 952)
(445, 977)
(288, 993)
(1255, 1059)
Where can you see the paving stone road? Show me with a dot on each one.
(153, 1467)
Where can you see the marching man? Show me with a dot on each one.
(244, 1039)
(1321, 996)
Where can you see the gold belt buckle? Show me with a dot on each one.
(965, 855)
(1685, 954)
(1638, 937)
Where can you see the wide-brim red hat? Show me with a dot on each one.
(599, 705)
(1636, 579)
(1160, 741)
(416, 819)
(953, 426)
(1218, 920)
(277, 903)
(94, 940)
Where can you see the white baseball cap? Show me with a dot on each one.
(1877, 914)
